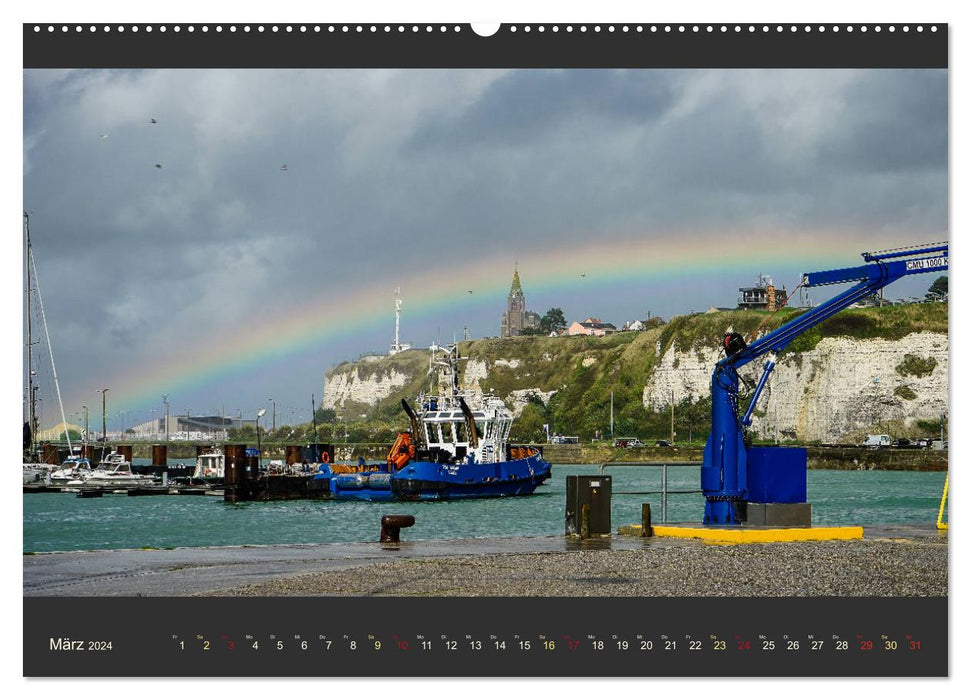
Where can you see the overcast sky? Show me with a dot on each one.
(395, 176)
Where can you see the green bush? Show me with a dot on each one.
(905, 392)
(915, 366)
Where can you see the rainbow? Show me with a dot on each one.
(327, 317)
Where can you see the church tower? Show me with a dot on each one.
(517, 318)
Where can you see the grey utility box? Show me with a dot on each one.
(588, 505)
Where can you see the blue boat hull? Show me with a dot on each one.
(432, 481)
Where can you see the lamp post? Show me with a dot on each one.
(104, 420)
(259, 447)
(672, 417)
(165, 402)
(274, 413)
(85, 441)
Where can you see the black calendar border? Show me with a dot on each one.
(379, 45)
(145, 634)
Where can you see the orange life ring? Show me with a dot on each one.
(324, 458)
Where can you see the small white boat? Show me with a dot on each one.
(114, 471)
(36, 472)
(72, 469)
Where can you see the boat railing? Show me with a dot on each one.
(664, 491)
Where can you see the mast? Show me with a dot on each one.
(31, 391)
(397, 316)
(313, 412)
(33, 282)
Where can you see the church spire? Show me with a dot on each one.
(517, 287)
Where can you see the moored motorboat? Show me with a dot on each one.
(35, 472)
(114, 471)
(71, 470)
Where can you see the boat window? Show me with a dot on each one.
(438, 433)
(450, 433)
(463, 433)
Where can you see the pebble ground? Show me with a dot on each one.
(870, 567)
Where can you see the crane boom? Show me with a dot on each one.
(724, 477)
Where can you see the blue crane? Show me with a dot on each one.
(734, 474)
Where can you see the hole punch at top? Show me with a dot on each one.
(485, 28)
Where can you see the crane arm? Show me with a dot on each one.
(882, 270)
(870, 278)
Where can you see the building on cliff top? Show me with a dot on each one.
(516, 318)
(591, 326)
(763, 295)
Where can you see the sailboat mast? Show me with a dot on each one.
(31, 390)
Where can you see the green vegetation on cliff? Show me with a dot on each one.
(584, 371)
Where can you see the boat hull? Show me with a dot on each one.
(433, 481)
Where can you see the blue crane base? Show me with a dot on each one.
(771, 475)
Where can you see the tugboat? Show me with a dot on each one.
(451, 452)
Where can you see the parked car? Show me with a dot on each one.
(628, 442)
(663, 443)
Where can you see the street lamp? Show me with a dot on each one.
(104, 420)
(274, 413)
(165, 401)
(259, 450)
(85, 441)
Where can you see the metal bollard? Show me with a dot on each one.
(391, 526)
(646, 529)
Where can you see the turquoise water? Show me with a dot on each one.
(61, 521)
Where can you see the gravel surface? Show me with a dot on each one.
(915, 566)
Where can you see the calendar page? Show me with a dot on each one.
(516, 350)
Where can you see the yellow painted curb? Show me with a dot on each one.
(746, 535)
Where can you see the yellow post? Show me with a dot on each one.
(940, 513)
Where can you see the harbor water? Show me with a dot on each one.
(61, 521)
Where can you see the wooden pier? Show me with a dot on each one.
(153, 490)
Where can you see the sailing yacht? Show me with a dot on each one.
(35, 469)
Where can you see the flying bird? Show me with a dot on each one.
(470, 291)
(583, 274)
(153, 120)
(103, 136)
(283, 167)
(158, 165)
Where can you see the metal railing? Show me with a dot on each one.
(664, 481)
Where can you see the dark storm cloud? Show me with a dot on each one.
(392, 175)
(891, 123)
(527, 106)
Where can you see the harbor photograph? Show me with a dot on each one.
(485, 333)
